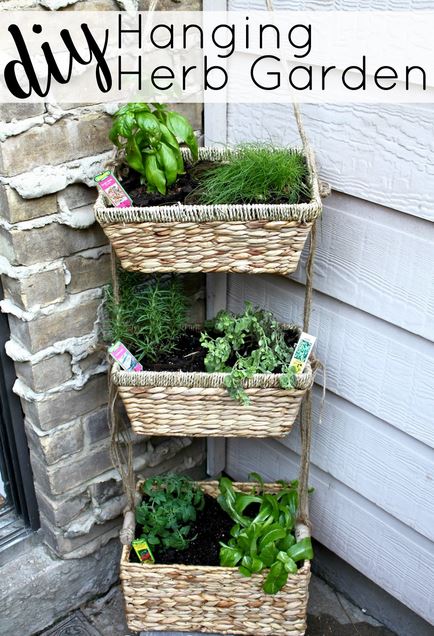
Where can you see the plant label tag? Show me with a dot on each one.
(113, 189)
(143, 551)
(302, 351)
(120, 353)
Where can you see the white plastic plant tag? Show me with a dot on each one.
(302, 351)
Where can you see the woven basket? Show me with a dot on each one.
(197, 404)
(254, 238)
(181, 598)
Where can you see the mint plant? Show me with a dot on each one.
(148, 135)
(168, 509)
(267, 540)
(251, 342)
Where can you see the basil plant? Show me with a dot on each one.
(150, 135)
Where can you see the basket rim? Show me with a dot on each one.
(305, 568)
(204, 379)
(231, 213)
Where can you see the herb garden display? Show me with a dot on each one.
(224, 557)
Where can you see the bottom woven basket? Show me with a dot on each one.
(181, 598)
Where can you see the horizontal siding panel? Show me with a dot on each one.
(356, 145)
(395, 557)
(377, 366)
(378, 260)
(387, 467)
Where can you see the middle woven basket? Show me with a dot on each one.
(197, 404)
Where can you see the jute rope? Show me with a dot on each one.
(121, 448)
(306, 407)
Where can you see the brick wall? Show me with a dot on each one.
(54, 262)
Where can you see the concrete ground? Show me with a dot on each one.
(329, 614)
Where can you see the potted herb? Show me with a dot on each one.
(230, 377)
(168, 509)
(244, 210)
(266, 541)
(242, 571)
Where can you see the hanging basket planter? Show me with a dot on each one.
(212, 599)
(248, 238)
(197, 403)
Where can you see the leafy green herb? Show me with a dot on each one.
(150, 316)
(266, 540)
(168, 509)
(256, 174)
(252, 342)
(149, 138)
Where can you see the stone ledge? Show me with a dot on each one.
(39, 588)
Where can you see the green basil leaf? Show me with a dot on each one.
(149, 124)
(244, 571)
(133, 108)
(182, 130)
(191, 142)
(257, 564)
(178, 125)
(276, 578)
(268, 554)
(301, 550)
(168, 161)
(126, 125)
(242, 501)
(271, 500)
(252, 564)
(289, 564)
(247, 562)
(229, 557)
(170, 139)
(273, 534)
(154, 175)
(235, 530)
(134, 157)
(285, 543)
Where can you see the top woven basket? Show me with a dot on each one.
(253, 238)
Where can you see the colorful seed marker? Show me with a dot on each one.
(302, 351)
(113, 190)
(143, 551)
(127, 361)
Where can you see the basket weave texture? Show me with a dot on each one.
(254, 238)
(197, 404)
(212, 599)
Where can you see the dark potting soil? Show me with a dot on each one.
(212, 525)
(182, 191)
(177, 193)
(190, 355)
